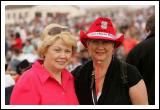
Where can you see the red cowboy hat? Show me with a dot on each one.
(102, 28)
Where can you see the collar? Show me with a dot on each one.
(44, 74)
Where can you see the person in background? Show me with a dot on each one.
(17, 41)
(9, 84)
(130, 41)
(74, 62)
(84, 56)
(143, 57)
(105, 80)
(28, 47)
(47, 82)
(21, 67)
(15, 75)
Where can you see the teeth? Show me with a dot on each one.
(60, 62)
(99, 62)
(99, 52)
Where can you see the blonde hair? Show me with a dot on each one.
(51, 34)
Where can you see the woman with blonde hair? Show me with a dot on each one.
(47, 81)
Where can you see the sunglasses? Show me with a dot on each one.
(57, 30)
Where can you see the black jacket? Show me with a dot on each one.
(114, 92)
(143, 57)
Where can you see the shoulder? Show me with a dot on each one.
(144, 45)
(27, 77)
(144, 50)
(130, 73)
(33, 73)
(67, 73)
(27, 84)
(82, 69)
(76, 70)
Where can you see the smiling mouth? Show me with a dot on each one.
(61, 62)
(100, 52)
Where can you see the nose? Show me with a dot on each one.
(63, 55)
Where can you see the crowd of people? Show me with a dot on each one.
(22, 43)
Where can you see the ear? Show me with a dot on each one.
(45, 52)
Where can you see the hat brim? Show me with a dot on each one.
(119, 40)
(84, 37)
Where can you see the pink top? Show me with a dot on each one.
(37, 87)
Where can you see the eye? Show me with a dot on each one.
(68, 51)
(94, 41)
(56, 50)
(104, 42)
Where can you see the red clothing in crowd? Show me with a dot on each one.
(16, 79)
(18, 43)
(36, 86)
(128, 44)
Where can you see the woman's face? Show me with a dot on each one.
(100, 50)
(58, 55)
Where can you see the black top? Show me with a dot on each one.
(8, 92)
(143, 57)
(114, 92)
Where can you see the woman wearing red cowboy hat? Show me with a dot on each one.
(105, 80)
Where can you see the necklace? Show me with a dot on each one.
(98, 77)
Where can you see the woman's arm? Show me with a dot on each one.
(138, 94)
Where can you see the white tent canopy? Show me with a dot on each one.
(71, 10)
